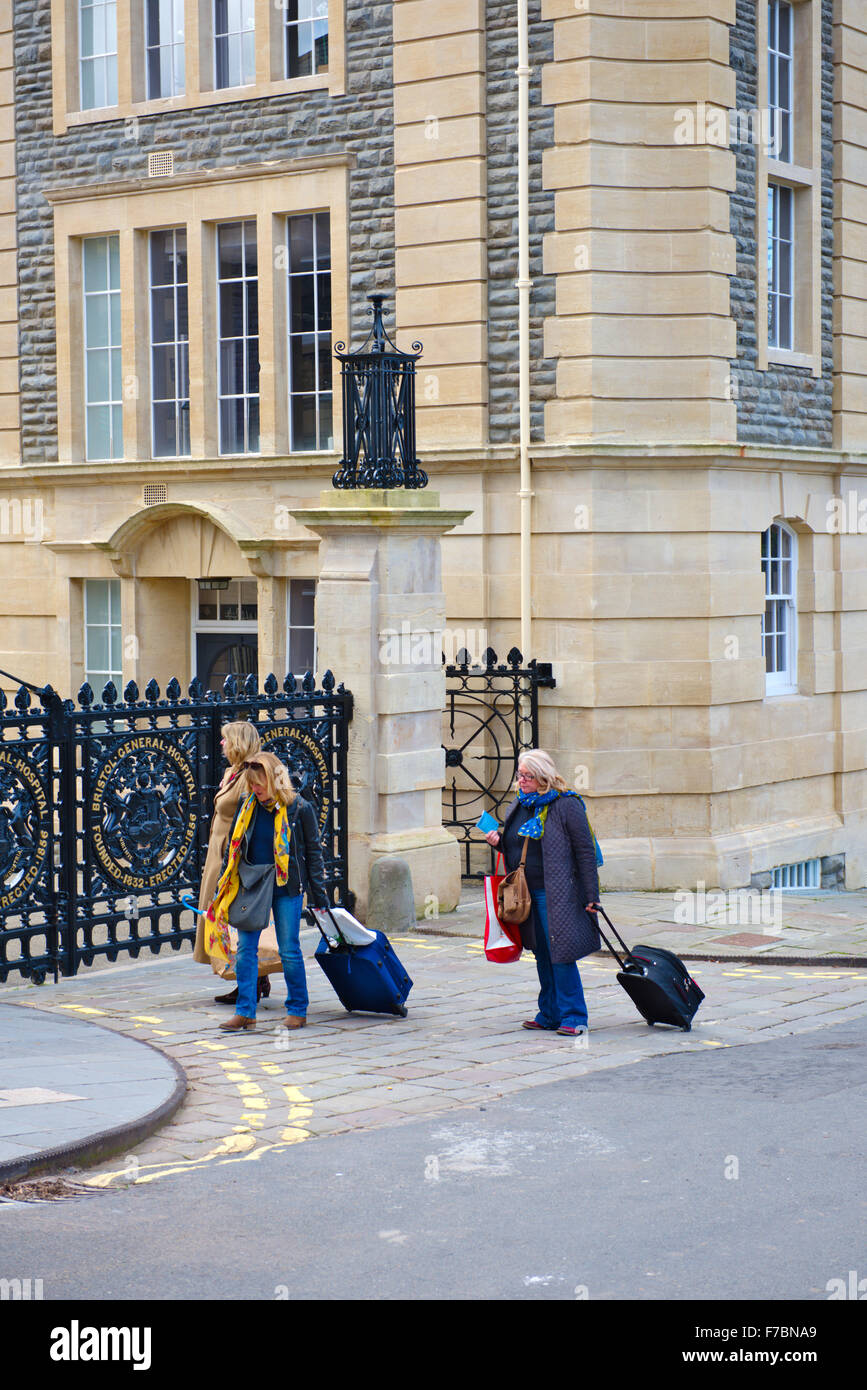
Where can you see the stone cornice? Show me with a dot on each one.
(195, 178)
(459, 458)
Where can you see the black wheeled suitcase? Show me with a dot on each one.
(368, 978)
(657, 982)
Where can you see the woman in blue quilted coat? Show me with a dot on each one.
(564, 887)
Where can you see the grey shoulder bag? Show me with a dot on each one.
(250, 909)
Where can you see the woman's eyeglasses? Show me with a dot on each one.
(252, 767)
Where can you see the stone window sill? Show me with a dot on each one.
(254, 91)
(783, 357)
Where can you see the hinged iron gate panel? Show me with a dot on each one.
(492, 714)
(105, 809)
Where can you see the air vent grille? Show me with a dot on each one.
(161, 164)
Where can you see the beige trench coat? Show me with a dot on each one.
(227, 801)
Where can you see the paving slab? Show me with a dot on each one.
(461, 1044)
(72, 1092)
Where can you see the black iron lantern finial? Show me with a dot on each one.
(378, 412)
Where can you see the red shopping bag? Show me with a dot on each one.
(502, 939)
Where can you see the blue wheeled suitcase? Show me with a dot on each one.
(657, 982)
(366, 979)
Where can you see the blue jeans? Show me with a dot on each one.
(287, 922)
(561, 996)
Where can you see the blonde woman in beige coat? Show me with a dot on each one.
(240, 743)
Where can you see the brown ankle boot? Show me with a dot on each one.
(294, 1021)
(238, 1024)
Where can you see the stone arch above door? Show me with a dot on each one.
(181, 540)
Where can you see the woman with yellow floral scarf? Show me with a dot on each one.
(274, 825)
(240, 742)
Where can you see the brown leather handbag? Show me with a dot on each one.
(513, 895)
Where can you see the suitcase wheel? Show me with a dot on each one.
(403, 1010)
(687, 1028)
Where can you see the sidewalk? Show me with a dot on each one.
(80, 1040)
(72, 1092)
(791, 928)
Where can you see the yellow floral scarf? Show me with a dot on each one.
(217, 926)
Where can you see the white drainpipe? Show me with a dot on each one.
(524, 284)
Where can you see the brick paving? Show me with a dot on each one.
(461, 1044)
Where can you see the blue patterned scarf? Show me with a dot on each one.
(539, 802)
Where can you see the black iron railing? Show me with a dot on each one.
(105, 808)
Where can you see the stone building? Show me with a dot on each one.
(196, 199)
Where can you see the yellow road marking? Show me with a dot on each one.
(81, 1009)
(146, 1018)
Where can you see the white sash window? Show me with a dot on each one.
(779, 623)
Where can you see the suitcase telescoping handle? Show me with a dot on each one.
(621, 963)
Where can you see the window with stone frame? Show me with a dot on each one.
(97, 53)
(789, 173)
(234, 43)
(164, 48)
(779, 621)
(781, 266)
(781, 58)
(102, 635)
(301, 644)
(170, 347)
(238, 327)
(309, 314)
(127, 55)
(138, 384)
(103, 372)
(306, 37)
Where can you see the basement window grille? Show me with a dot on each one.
(806, 874)
(153, 494)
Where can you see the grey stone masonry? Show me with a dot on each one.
(783, 405)
(221, 136)
(502, 145)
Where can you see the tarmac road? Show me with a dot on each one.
(735, 1173)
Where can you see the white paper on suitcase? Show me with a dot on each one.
(350, 928)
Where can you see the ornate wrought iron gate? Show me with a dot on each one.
(105, 808)
(492, 713)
